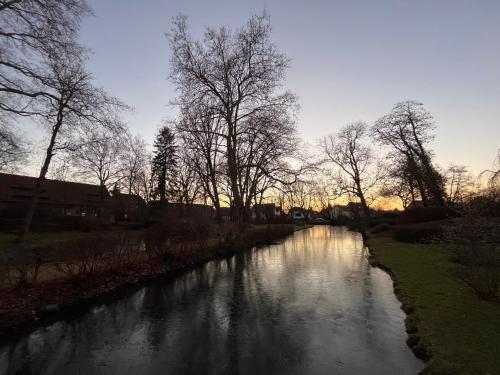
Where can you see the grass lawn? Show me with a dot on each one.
(42, 238)
(6, 240)
(461, 331)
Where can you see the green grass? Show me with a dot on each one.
(8, 240)
(461, 331)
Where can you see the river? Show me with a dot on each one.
(310, 305)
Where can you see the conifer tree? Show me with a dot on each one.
(164, 164)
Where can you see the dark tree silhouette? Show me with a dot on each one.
(164, 164)
(12, 149)
(134, 164)
(408, 130)
(399, 180)
(30, 31)
(201, 134)
(236, 74)
(74, 103)
(354, 160)
(98, 156)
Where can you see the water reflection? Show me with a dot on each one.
(311, 305)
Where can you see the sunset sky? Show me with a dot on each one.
(351, 60)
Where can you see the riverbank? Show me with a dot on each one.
(28, 306)
(447, 324)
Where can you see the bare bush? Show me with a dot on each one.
(475, 245)
(22, 269)
(176, 241)
(88, 256)
(157, 241)
(125, 251)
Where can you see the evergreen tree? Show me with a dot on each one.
(164, 164)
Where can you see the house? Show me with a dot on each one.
(340, 211)
(57, 198)
(226, 213)
(352, 210)
(297, 213)
(315, 217)
(128, 207)
(174, 211)
(356, 209)
(265, 213)
(328, 213)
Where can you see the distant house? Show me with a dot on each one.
(226, 213)
(415, 204)
(351, 210)
(181, 211)
(341, 211)
(57, 198)
(297, 213)
(128, 207)
(315, 217)
(356, 209)
(328, 213)
(264, 213)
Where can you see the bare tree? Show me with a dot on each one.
(134, 163)
(98, 158)
(73, 103)
(12, 149)
(357, 174)
(407, 129)
(201, 133)
(30, 30)
(188, 183)
(237, 75)
(267, 148)
(297, 195)
(145, 184)
(493, 175)
(323, 196)
(60, 168)
(459, 183)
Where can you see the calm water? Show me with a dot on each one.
(311, 305)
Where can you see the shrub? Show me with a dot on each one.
(21, 269)
(425, 214)
(89, 224)
(379, 228)
(89, 255)
(417, 232)
(484, 280)
(176, 240)
(473, 240)
(474, 243)
(124, 250)
(142, 225)
(266, 233)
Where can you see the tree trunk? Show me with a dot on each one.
(237, 203)
(41, 178)
(162, 180)
(433, 183)
(417, 176)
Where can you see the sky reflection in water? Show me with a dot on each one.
(311, 305)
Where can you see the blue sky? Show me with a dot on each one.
(351, 60)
